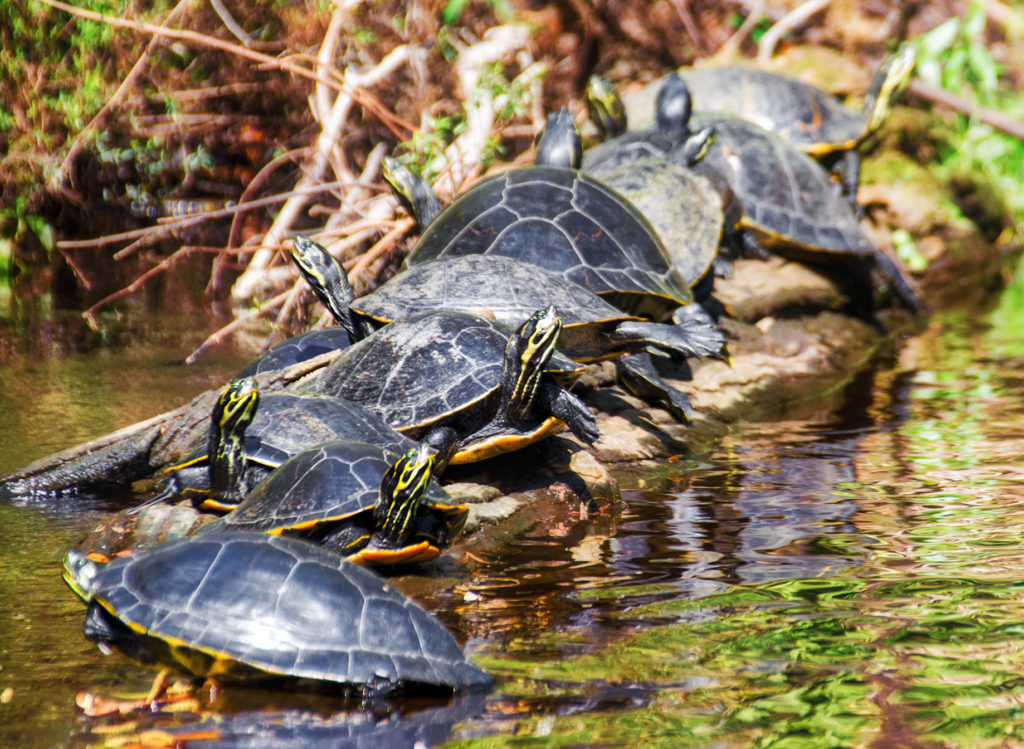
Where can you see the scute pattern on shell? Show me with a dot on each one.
(560, 220)
(330, 481)
(420, 370)
(283, 606)
(784, 192)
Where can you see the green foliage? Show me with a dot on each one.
(954, 56)
(453, 9)
(424, 152)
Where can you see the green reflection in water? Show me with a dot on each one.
(917, 641)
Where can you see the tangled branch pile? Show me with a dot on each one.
(230, 136)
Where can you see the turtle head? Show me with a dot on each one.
(888, 84)
(231, 416)
(412, 191)
(559, 144)
(607, 111)
(79, 572)
(527, 353)
(673, 107)
(401, 487)
(328, 279)
(698, 144)
(235, 408)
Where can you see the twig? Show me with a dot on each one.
(800, 14)
(90, 314)
(253, 276)
(184, 223)
(201, 39)
(385, 244)
(990, 117)
(224, 332)
(230, 23)
(58, 178)
(729, 50)
(682, 9)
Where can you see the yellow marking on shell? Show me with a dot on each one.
(503, 443)
(196, 660)
(420, 552)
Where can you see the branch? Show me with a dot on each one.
(800, 14)
(57, 180)
(252, 278)
(972, 109)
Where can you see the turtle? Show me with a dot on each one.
(248, 605)
(329, 281)
(685, 208)
(805, 116)
(453, 370)
(250, 435)
(510, 290)
(555, 217)
(789, 205)
(356, 499)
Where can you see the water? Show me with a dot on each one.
(848, 578)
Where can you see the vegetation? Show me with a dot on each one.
(152, 136)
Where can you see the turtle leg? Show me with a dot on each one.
(847, 169)
(638, 375)
(904, 287)
(691, 336)
(559, 402)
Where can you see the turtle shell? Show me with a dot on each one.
(435, 369)
(329, 491)
(805, 116)
(502, 287)
(567, 223)
(788, 199)
(684, 207)
(288, 423)
(243, 604)
(300, 348)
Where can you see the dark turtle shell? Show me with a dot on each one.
(438, 369)
(510, 290)
(567, 223)
(684, 207)
(808, 118)
(787, 198)
(300, 348)
(243, 604)
(328, 493)
(286, 424)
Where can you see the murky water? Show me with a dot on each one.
(851, 578)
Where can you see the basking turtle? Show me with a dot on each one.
(789, 205)
(356, 499)
(452, 370)
(329, 281)
(246, 605)
(250, 436)
(510, 290)
(804, 116)
(559, 219)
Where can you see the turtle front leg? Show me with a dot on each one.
(561, 403)
(847, 169)
(638, 375)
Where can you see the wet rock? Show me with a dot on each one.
(763, 287)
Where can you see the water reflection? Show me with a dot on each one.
(851, 577)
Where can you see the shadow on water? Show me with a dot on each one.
(849, 577)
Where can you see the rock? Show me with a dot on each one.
(762, 287)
